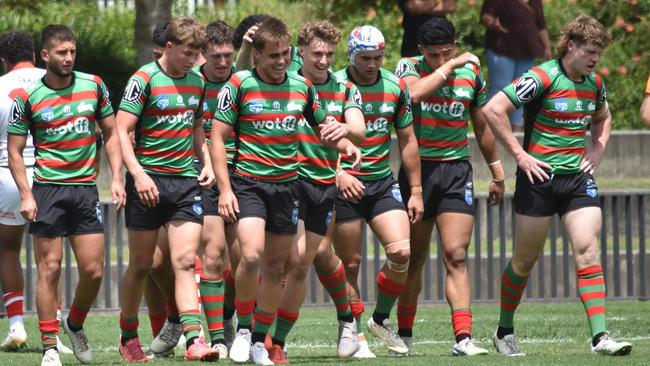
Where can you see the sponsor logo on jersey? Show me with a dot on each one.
(256, 105)
(288, 123)
(462, 93)
(562, 104)
(591, 106)
(378, 125)
(446, 91)
(133, 91)
(67, 111)
(578, 105)
(224, 99)
(526, 88)
(163, 102)
(585, 120)
(276, 106)
(469, 193)
(293, 106)
(79, 125)
(179, 101)
(186, 118)
(385, 108)
(47, 114)
(85, 107)
(193, 101)
(333, 107)
(16, 113)
(369, 108)
(455, 109)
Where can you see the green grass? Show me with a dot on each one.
(550, 334)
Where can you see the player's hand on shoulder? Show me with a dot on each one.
(350, 187)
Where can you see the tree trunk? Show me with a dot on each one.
(147, 14)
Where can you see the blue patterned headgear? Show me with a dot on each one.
(364, 38)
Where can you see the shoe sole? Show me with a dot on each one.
(210, 357)
(400, 350)
(624, 351)
(15, 344)
(69, 332)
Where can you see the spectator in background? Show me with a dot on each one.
(159, 40)
(645, 105)
(516, 35)
(416, 13)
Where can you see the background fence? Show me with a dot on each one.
(623, 254)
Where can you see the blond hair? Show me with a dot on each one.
(187, 31)
(581, 30)
(322, 30)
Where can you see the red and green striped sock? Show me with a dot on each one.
(334, 284)
(191, 323)
(285, 321)
(591, 287)
(263, 322)
(512, 288)
(212, 294)
(245, 311)
(129, 327)
(49, 330)
(388, 292)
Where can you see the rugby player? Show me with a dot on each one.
(162, 103)
(61, 109)
(446, 91)
(372, 194)
(562, 98)
(263, 105)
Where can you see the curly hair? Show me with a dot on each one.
(583, 29)
(323, 30)
(16, 46)
(436, 31)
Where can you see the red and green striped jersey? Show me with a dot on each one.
(166, 108)
(265, 117)
(296, 60)
(318, 162)
(386, 104)
(440, 121)
(62, 123)
(557, 113)
(209, 106)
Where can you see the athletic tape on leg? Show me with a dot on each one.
(394, 248)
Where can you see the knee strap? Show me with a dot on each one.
(393, 248)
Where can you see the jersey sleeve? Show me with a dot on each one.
(313, 112)
(20, 113)
(601, 97)
(352, 97)
(228, 102)
(136, 94)
(528, 87)
(105, 107)
(406, 67)
(404, 115)
(480, 92)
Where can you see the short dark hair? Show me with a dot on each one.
(219, 32)
(158, 35)
(271, 30)
(16, 46)
(244, 26)
(57, 32)
(436, 31)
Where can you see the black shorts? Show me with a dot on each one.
(380, 196)
(276, 203)
(560, 194)
(316, 205)
(446, 187)
(180, 199)
(66, 210)
(210, 197)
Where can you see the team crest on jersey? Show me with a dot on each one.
(526, 88)
(47, 114)
(385, 108)
(591, 106)
(462, 93)
(469, 194)
(98, 213)
(163, 102)
(256, 105)
(193, 101)
(562, 104)
(133, 91)
(333, 107)
(85, 107)
(293, 107)
(397, 194)
(16, 113)
(591, 190)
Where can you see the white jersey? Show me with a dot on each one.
(15, 79)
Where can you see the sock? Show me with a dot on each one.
(76, 317)
(591, 287)
(129, 327)
(229, 295)
(212, 296)
(172, 312)
(49, 331)
(157, 321)
(357, 308)
(405, 320)
(245, 311)
(388, 292)
(263, 322)
(334, 284)
(285, 322)
(461, 319)
(14, 307)
(191, 324)
(512, 288)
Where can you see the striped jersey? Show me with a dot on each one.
(386, 104)
(209, 106)
(62, 123)
(16, 79)
(440, 121)
(166, 108)
(317, 161)
(557, 113)
(265, 117)
(296, 60)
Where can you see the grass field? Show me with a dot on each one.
(550, 334)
